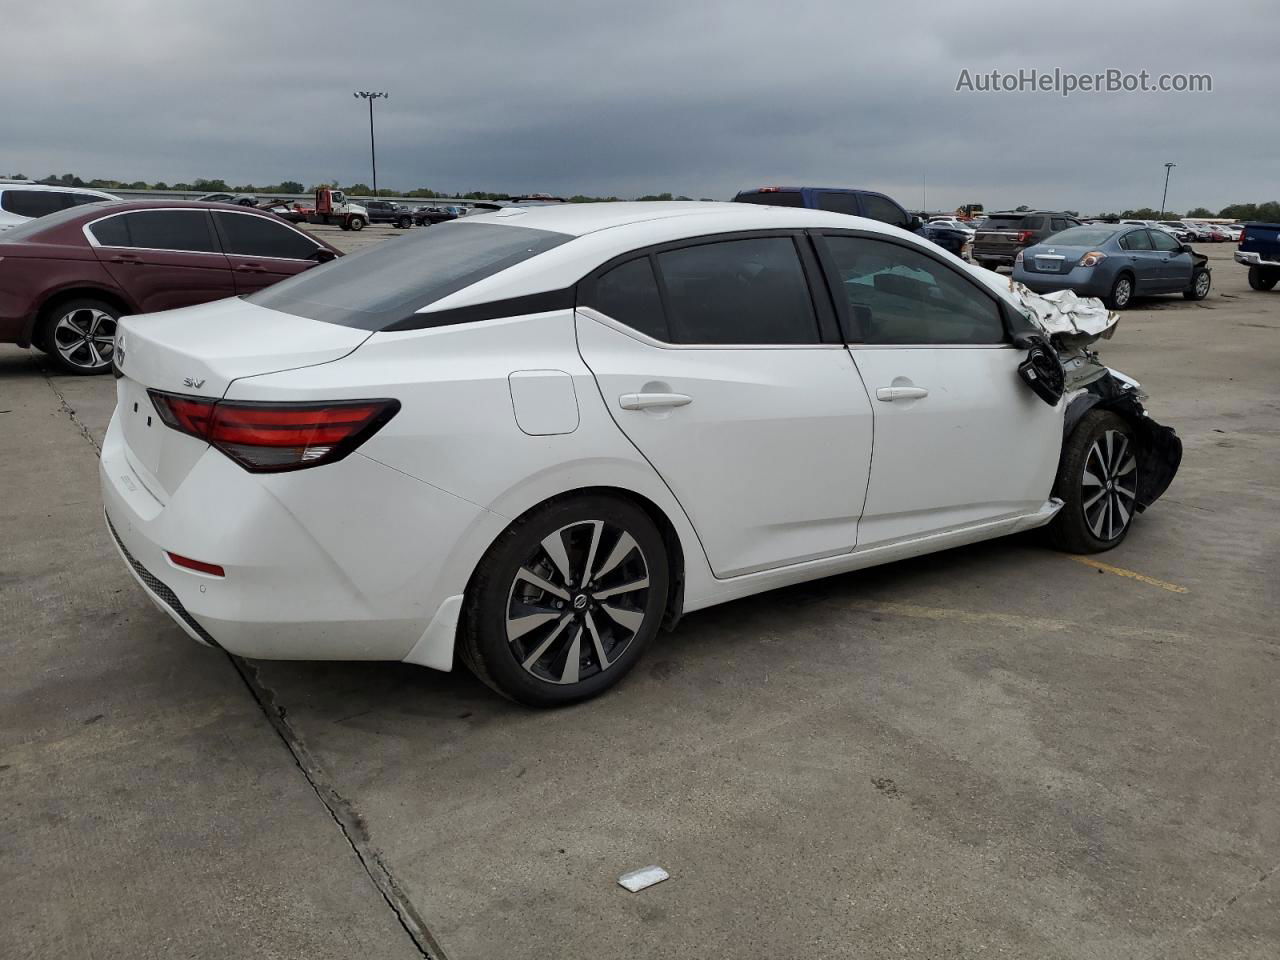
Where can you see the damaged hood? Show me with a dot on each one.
(1072, 320)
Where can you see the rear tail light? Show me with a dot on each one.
(1023, 236)
(1092, 259)
(274, 437)
(1243, 234)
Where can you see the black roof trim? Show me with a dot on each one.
(564, 299)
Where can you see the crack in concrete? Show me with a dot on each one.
(70, 411)
(344, 815)
(1222, 908)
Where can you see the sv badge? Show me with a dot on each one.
(192, 382)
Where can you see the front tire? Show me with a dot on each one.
(1097, 483)
(404, 223)
(357, 223)
(1121, 294)
(1200, 283)
(1260, 279)
(564, 602)
(79, 336)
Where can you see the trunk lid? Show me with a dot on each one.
(198, 351)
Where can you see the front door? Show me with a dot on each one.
(710, 359)
(959, 439)
(261, 249)
(1143, 261)
(163, 259)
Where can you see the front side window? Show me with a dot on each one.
(884, 210)
(247, 235)
(34, 203)
(387, 282)
(629, 294)
(899, 295)
(182, 230)
(750, 291)
(840, 203)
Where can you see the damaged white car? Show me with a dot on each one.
(533, 438)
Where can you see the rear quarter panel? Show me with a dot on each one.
(28, 282)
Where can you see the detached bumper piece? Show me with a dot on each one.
(160, 590)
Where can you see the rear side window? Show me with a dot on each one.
(182, 230)
(629, 294)
(1032, 223)
(749, 291)
(1057, 223)
(383, 284)
(899, 295)
(884, 210)
(247, 235)
(1138, 240)
(840, 203)
(773, 198)
(34, 203)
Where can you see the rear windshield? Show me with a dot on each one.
(773, 198)
(1083, 236)
(1002, 223)
(379, 285)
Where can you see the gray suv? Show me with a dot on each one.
(1002, 235)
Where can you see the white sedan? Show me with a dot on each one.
(534, 437)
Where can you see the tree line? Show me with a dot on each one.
(202, 185)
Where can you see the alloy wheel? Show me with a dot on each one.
(1202, 285)
(1124, 290)
(577, 602)
(85, 337)
(1110, 484)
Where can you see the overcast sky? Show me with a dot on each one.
(696, 98)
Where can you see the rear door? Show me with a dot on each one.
(163, 258)
(262, 250)
(959, 439)
(716, 362)
(1142, 260)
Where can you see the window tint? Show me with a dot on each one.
(840, 203)
(248, 235)
(1032, 223)
(158, 230)
(1163, 241)
(738, 291)
(883, 209)
(1057, 223)
(387, 282)
(773, 198)
(1012, 222)
(34, 203)
(629, 294)
(1137, 240)
(899, 295)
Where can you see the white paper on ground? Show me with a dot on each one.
(637, 880)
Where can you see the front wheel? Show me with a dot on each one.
(357, 223)
(79, 336)
(565, 601)
(1097, 483)
(404, 223)
(1199, 288)
(1260, 279)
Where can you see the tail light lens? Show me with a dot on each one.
(1092, 259)
(274, 437)
(1023, 236)
(1017, 258)
(1243, 234)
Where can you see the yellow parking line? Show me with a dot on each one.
(1122, 572)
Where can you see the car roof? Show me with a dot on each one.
(57, 188)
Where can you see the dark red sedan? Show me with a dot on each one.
(65, 279)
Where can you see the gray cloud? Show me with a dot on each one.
(605, 98)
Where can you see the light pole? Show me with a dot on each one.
(373, 153)
(1168, 169)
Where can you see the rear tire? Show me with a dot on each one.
(404, 223)
(1200, 283)
(79, 335)
(1121, 294)
(1097, 483)
(547, 647)
(1261, 279)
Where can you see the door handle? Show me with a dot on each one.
(889, 394)
(647, 401)
(126, 258)
(251, 268)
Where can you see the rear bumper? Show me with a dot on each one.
(1086, 281)
(1003, 256)
(1251, 258)
(353, 563)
